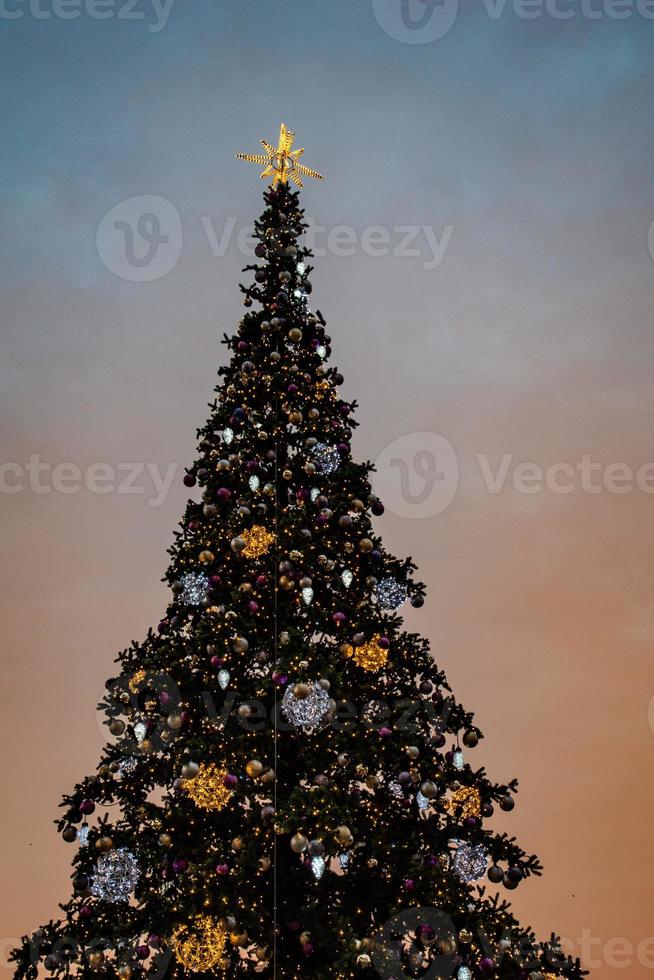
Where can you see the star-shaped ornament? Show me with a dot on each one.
(282, 162)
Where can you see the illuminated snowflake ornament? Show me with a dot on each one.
(306, 713)
(195, 586)
(116, 875)
(327, 458)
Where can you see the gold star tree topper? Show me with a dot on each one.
(282, 163)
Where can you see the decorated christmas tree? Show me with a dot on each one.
(288, 788)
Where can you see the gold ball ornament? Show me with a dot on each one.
(299, 843)
(200, 945)
(206, 557)
(344, 835)
(254, 768)
(365, 545)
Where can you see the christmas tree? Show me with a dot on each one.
(288, 788)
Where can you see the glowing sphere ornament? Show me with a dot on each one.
(465, 802)
(116, 875)
(306, 712)
(470, 861)
(390, 594)
(370, 655)
(257, 541)
(195, 586)
(200, 946)
(327, 458)
(208, 789)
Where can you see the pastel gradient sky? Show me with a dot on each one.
(525, 147)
